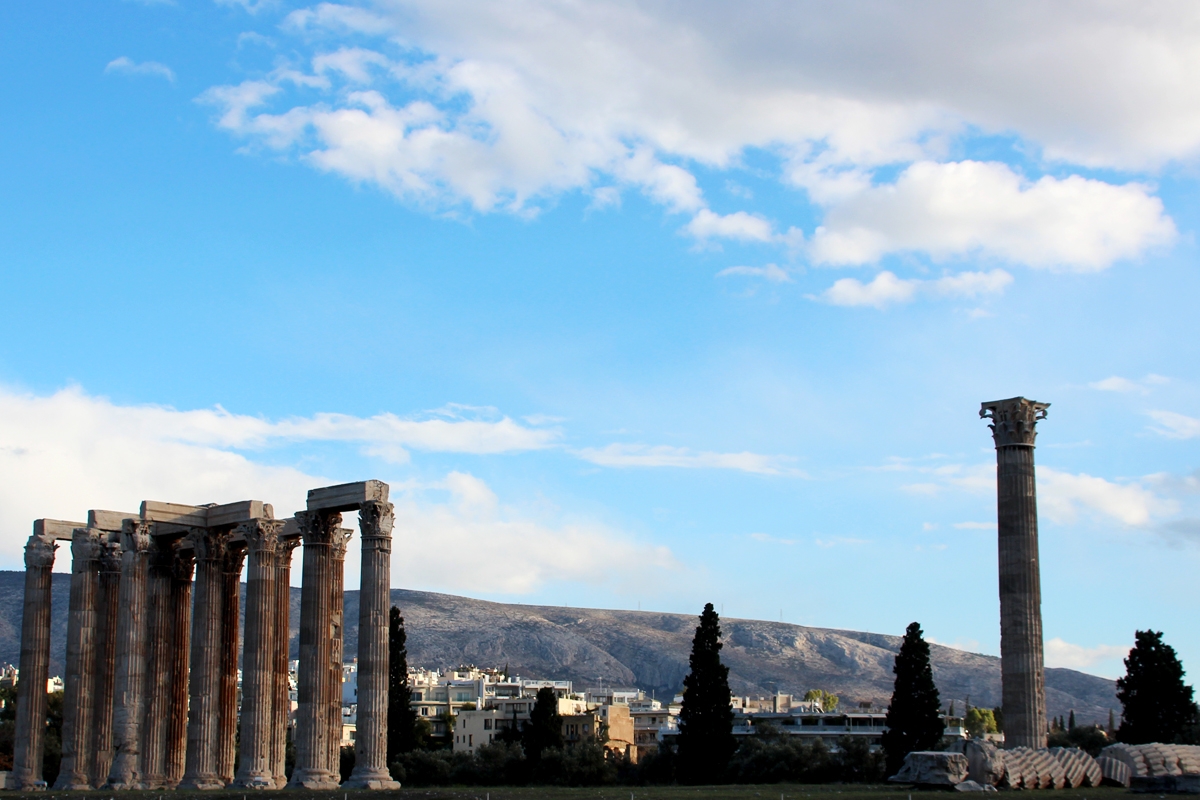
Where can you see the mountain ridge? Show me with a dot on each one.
(645, 649)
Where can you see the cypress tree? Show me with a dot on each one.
(1071, 721)
(402, 719)
(706, 720)
(544, 729)
(912, 718)
(1157, 705)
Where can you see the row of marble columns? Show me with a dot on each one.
(151, 664)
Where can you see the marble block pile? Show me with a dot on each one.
(985, 765)
(1152, 767)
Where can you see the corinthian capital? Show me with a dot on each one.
(375, 520)
(135, 536)
(1014, 421)
(262, 535)
(319, 527)
(39, 552)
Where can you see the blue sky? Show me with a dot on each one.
(631, 303)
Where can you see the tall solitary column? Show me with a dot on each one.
(235, 557)
(333, 696)
(1023, 680)
(160, 657)
(79, 691)
(281, 705)
(204, 687)
(28, 738)
(318, 529)
(109, 596)
(182, 567)
(130, 677)
(375, 521)
(255, 770)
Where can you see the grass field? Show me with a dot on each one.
(756, 792)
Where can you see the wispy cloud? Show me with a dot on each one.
(127, 66)
(770, 272)
(1060, 653)
(887, 289)
(644, 455)
(1116, 383)
(1175, 426)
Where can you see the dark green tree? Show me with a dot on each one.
(912, 721)
(402, 719)
(544, 729)
(706, 720)
(1157, 705)
(1071, 721)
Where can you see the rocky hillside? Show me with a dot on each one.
(643, 649)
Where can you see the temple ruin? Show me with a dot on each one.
(1022, 673)
(150, 698)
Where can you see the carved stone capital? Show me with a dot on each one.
(287, 547)
(234, 557)
(184, 564)
(87, 545)
(376, 519)
(208, 546)
(110, 552)
(135, 536)
(39, 552)
(340, 541)
(319, 527)
(261, 535)
(1014, 421)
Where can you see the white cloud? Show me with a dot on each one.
(643, 455)
(1061, 496)
(1116, 383)
(250, 6)
(500, 109)
(770, 272)
(1061, 653)
(886, 289)
(1175, 426)
(738, 225)
(500, 550)
(70, 452)
(127, 66)
(969, 207)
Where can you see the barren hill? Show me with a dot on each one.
(644, 649)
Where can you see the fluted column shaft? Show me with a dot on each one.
(204, 686)
(160, 658)
(255, 770)
(108, 600)
(235, 556)
(130, 678)
(1022, 670)
(337, 614)
(28, 740)
(374, 601)
(79, 690)
(1021, 654)
(281, 703)
(318, 530)
(175, 756)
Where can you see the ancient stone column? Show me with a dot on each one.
(375, 522)
(235, 557)
(34, 667)
(319, 530)
(160, 659)
(255, 770)
(129, 684)
(79, 691)
(204, 687)
(181, 632)
(1023, 680)
(281, 705)
(337, 613)
(108, 598)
